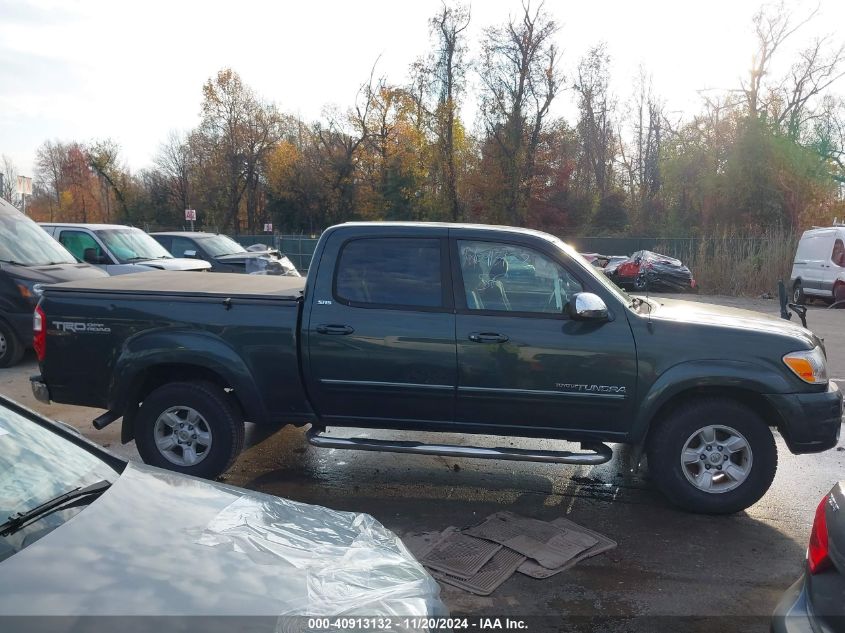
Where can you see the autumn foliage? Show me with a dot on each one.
(767, 154)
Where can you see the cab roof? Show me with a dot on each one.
(88, 225)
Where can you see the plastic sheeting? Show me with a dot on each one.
(339, 563)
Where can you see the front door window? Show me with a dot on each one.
(510, 278)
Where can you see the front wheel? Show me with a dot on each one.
(189, 427)
(713, 456)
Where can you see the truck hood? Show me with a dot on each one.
(53, 273)
(175, 263)
(162, 544)
(694, 312)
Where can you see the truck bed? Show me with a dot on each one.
(136, 328)
(192, 285)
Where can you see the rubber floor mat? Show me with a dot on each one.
(603, 544)
(496, 571)
(551, 546)
(420, 543)
(459, 555)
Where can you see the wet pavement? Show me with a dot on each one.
(667, 562)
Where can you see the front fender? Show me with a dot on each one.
(700, 374)
(152, 348)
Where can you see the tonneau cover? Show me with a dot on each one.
(191, 284)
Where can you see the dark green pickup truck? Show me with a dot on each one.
(439, 327)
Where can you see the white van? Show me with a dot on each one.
(819, 266)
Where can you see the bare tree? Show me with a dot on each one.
(520, 78)
(174, 160)
(448, 27)
(50, 167)
(341, 139)
(815, 71)
(596, 124)
(640, 160)
(9, 181)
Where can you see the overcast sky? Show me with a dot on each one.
(132, 71)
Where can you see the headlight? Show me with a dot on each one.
(809, 366)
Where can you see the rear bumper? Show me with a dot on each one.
(810, 422)
(39, 389)
(808, 607)
(792, 615)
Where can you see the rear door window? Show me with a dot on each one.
(390, 272)
(838, 255)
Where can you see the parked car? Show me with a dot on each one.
(420, 327)
(646, 270)
(29, 260)
(819, 266)
(84, 534)
(118, 249)
(613, 262)
(816, 602)
(225, 255)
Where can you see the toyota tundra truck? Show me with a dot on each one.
(441, 328)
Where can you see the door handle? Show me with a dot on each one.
(335, 329)
(488, 337)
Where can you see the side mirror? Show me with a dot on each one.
(90, 256)
(190, 254)
(586, 306)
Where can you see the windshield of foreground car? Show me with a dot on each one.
(23, 242)
(36, 465)
(217, 245)
(129, 245)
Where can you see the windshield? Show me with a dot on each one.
(130, 244)
(23, 242)
(36, 465)
(217, 245)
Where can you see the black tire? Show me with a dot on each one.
(798, 295)
(11, 349)
(220, 419)
(669, 437)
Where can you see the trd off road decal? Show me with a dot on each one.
(71, 326)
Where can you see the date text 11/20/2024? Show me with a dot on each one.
(415, 624)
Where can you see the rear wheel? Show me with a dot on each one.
(11, 349)
(189, 427)
(798, 293)
(713, 456)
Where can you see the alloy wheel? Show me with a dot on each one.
(182, 436)
(716, 459)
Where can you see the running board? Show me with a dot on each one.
(599, 453)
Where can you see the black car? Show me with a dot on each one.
(816, 602)
(646, 270)
(224, 254)
(29, 260)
